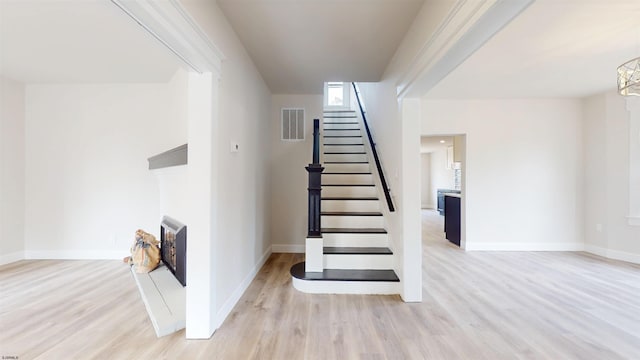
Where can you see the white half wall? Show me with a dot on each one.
(12, 171)
(607, 141)
(289, 179)
(242, 191)
(88, 187)
(523, 170)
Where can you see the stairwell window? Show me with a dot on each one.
(292, 124)
(335, 94)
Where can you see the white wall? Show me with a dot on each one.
(441, 177)
(88, 187)
(289, 179)
(426, 199)
(606, 173)
(242, 194)
(12, 172)
(523, 170)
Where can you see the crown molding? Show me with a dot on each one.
(168, 22)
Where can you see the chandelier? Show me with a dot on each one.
(629, 78)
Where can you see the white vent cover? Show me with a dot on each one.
(292, 124)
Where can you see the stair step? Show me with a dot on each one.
(337, 168)
(344, 152)
(354, 190)
(343, 144)
(351, 198)
(370, 185)
(350, 205)
(340, 117)
(355, 240)
(348, 157)
(339, 122)
(351, 213)
(346, 173)
(341, 132)
(353, 250)
(353, 231)
(297, 271)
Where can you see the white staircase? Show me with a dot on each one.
(356, 257)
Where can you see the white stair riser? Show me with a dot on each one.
(355, 240)
(358, 262)
(349, 191)
(343, 148)
(352, 222)
(338, 114)
(340, 179)
(351, 205)
(346, 168)
(342, 133)
(342, 125)
(356, 140)
(345, 158)
(339, 120)
(346, 287)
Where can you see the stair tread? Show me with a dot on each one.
(349, 198)
(354, 231)
(351, 213)
(344, 153)
(342, 136)
(346, 173)
(298, 272)
(351, 129)
(348, 185)
(353, 250)
(339, 123)
(343, 144)
(346, 162)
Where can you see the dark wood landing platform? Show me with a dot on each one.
(298, 272)
(356, 250)
(353, 231)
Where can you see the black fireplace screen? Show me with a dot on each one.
(173, 246)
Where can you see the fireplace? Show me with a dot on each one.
(173, 247)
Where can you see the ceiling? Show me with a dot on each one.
(297, 45)
(555, 48)
(429, 144)
(78, 41)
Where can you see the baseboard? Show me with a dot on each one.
(76, 255)
(12, 257)
(287, 248)
(226, 309)
(524, 247)
(613, 254)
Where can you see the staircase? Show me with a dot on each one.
(356, 258)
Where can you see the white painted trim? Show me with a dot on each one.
(171, 25)
(472, 24)
(613, 254)
(288, 248)
(228, 306)
(12, 257)
(633, 220)
(473, 246)
(76, 254)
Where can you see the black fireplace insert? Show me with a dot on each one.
(173, 247)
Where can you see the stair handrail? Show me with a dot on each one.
(383, 181)
(315, 169)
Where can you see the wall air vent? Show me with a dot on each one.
(292, 124)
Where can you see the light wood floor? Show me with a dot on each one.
(478, 305)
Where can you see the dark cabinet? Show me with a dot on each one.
(452, 218)
(441, 193)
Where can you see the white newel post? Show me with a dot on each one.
(313, 255)
(633, 106)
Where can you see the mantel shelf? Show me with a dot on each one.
(174, 157)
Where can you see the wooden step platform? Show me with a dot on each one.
(352, 250)
(297, 271)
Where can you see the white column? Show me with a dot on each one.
(201, 279)
(314, 255)
(633, 106)
(410, 203)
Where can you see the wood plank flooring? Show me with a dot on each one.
(477, 305)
